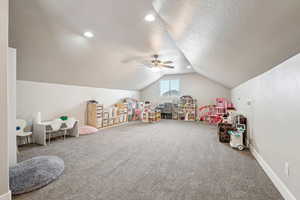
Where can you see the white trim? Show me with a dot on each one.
(6, 196)
(279, 184)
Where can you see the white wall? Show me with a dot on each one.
(55, 100)
(274, 119)
(199, 87)
(11, 97)
(4, 190)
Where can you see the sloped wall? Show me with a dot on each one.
(55, 100)
(271, 102)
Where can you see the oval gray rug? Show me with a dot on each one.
(34, 173)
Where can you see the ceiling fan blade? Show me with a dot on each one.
(133, 59)
(146, 66)
(167, 62)
(146, 62)
(168, 66)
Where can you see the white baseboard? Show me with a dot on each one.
(6, 196)
(282, 188)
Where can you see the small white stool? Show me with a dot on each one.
(20, 126)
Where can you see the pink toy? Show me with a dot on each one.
(86, 130)
(213, 114)
(137, 114)
(209, 113)
(221, 106)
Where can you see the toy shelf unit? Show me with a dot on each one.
(121, 113)
(157, 115)
(150, 114)
(187, 108)
(116, 115)
(95, 114)
(133, 108)
(100, 118)
(105, 119)
(166, 110)
(175, 112)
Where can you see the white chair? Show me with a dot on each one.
(55, 126)
(69, 125)
(20, 126)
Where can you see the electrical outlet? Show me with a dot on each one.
(287, 169)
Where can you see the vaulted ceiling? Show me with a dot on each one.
(231, 41)
(228, 41)
(48, 35)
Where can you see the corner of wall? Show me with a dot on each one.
(6, 196)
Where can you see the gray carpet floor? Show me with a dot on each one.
(169, 160)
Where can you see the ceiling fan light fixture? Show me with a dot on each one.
(88, 34)
(149, 18)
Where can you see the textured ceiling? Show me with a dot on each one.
(228, 41)
(231, 41)
(51, 48)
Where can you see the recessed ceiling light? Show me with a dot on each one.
(88, 34)
(189, 66)
(149, 18)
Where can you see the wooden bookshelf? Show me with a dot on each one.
(95, 115)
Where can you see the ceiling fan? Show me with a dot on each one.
(155, 62)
